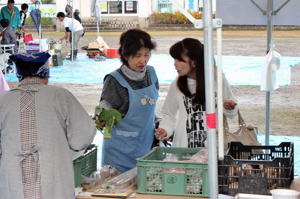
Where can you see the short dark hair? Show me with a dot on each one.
(24, 6)
(4, 23)
(61, 14)
(10, 1)
(132, 41)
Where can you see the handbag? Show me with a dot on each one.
(245, 134)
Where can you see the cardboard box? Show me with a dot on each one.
(98, 44)
(94, 45)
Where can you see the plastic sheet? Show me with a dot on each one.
(239, 70)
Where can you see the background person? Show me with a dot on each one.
(68, 10)
(24, 10)
(39, 124)
(11, 12)
(133, 91)
(186, 95)
(8, 35)
(76, 15)
(77, 32)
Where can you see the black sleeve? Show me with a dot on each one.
(67, 29)
(115, 94)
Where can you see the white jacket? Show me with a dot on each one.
(176, 103)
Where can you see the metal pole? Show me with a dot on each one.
(97, 28)
(210, 100)
(40, 29)
(220, 94)
(269, 43)
(72, 47)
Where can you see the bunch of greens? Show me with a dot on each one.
(110, 116)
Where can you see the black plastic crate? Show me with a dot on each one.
(256, 169)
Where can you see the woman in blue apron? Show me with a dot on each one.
(133, 91)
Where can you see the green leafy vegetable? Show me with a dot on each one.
(110, 116)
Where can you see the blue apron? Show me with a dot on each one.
(133, 137)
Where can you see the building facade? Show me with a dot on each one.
(118, 9)
(110, 8)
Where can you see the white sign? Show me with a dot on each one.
(129, 5)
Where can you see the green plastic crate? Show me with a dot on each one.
(156, 176)
(85, 165)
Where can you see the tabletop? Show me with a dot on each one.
(294, 186)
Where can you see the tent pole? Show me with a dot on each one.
(40, 29)
(220, 94)
(269, 43)
(72, 47)
(97, 28)
(210, 99)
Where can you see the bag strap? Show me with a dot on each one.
(240, 119)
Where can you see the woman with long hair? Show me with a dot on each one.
(187, 96)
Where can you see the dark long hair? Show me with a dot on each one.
(193, 49)
(132, 41)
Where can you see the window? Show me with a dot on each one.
(130, 7)
(115, 7)
(119, 7)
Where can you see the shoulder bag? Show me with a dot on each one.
(245, 134)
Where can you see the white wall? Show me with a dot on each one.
(60, 6)
(85, 8)
(143, 8)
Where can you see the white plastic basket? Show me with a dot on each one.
(284, 194)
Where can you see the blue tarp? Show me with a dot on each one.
(239, 70)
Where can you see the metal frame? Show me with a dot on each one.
(265, 12)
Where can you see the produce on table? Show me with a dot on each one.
(110, 116)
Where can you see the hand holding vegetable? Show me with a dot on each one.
(106, 118)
